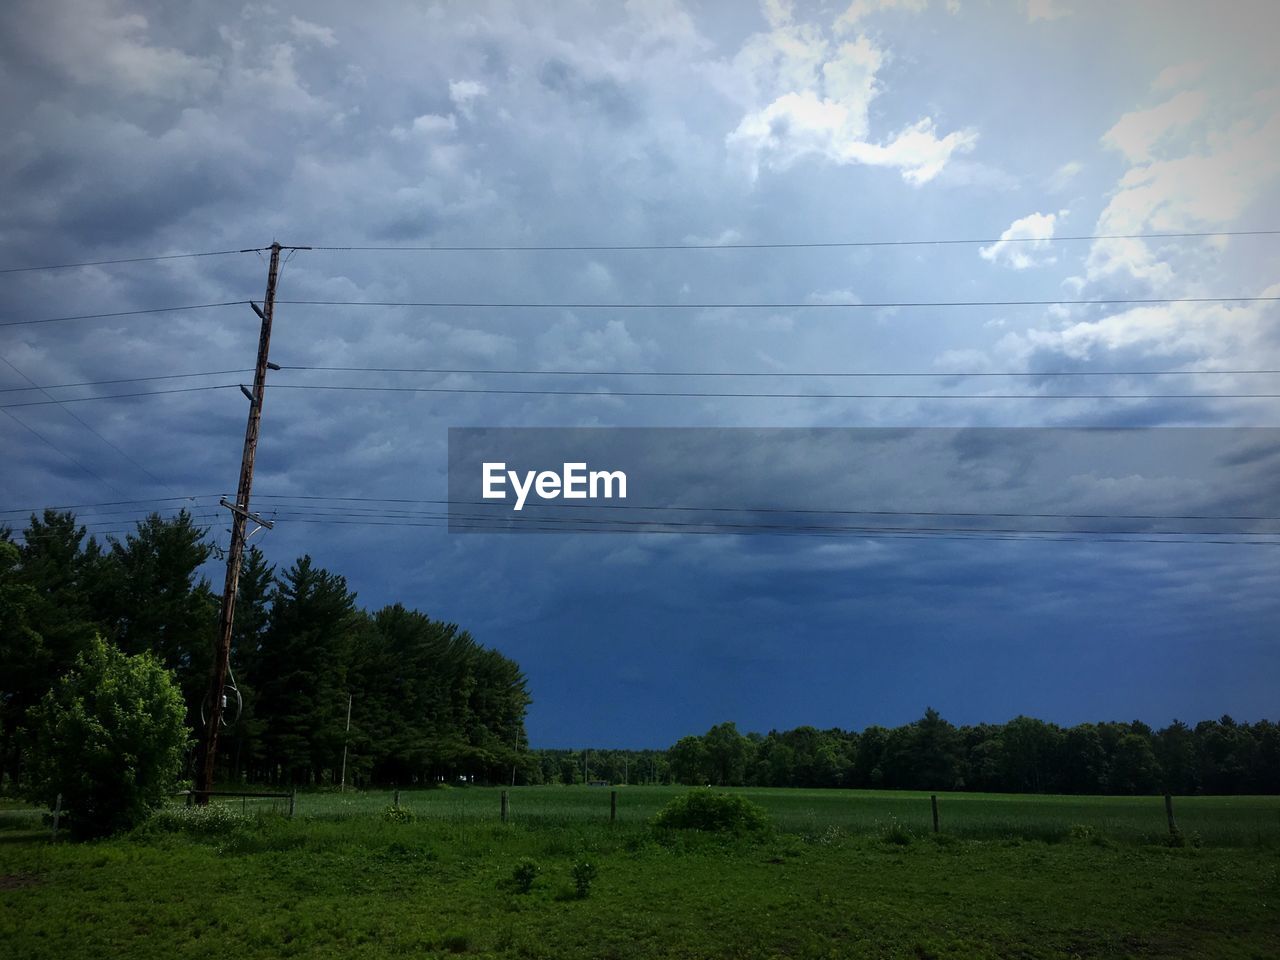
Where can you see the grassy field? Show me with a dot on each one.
(847, 874)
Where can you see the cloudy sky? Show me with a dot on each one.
(144, 129)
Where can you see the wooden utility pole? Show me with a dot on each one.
(345, 738)
(240, 515)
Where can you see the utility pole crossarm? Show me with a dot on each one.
(239, 516)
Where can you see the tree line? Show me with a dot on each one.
(428, 703)
(1024, 755)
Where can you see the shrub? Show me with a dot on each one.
(110, 737)
(213, 819)
(396, 814)
(583, 874)
(713, 812)
(524, 873)
(894, 832)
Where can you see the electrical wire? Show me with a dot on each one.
(936, 374)
(805, 305)
(838, 244)
(475, 371)
(608, 393)
(53, 446)
(126, 313)
(163, 376)
(83, 423)
(103, 263)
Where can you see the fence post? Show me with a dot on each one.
(293, 799)
(933, 798)
(1168, 812)
(504, 806)
(57, 815)
(396, 802)
(613, 805)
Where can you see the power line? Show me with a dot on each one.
(106, 503)
(83, 423)
(941, 374)
(100, 383)
(806, 305)
(535, 526)
(779, 396)
(444, 304)
(471, 371)
(32, 430)
(103, 263)
(276, 500)
(125, 313)
(119, 396)
(607, 393)
(625, 524)
(592, 248)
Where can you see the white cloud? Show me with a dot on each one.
(1045, 10)
(1211, 182)
(1179, 75)
(313, 32)
(1187, 329)
(818, 104)
(860, 9)
(1065, 174)
(1016, 245)
(1136, 134)
(463, 92)
(96, 47)
(429, 124)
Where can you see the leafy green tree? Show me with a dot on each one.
(934, 753)
(159, 604)
(689, 761)
(1031, 749)
(110, 737)
(22, 651)
(1134, 768)
(1175, 748)
(726, 754)
(303, 671)
(1084, 766)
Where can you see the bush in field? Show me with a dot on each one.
(894, 832)
(584, 874)
(211, 820)
(713, 812)
(110, 737)
(524, 873)
(397, 814)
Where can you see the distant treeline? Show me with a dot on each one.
(1022, 756)
(428, 702)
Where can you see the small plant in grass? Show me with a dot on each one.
(1082, 832)
(524, 873)
(213, 819)
(584, 874)
(892, 831)
(1179, 839)
(456, 942)
(395, 814)
(713, 812)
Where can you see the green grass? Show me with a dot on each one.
(1219, 821)
(1008, 877)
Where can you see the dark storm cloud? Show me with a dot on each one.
(140, 128)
